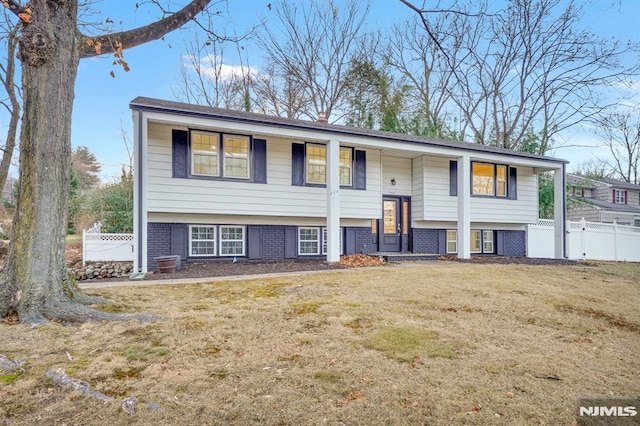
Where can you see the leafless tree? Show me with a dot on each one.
(34, 284)
(528, 68)
(310, 49)
(206, 78)
(13, 102)
(417, 59)
(620, 133)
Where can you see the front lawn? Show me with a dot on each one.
(435, 343)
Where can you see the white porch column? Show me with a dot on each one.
(559, 215)
(139, 193)
(464, 207)
(333, 201)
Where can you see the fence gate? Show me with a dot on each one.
(99, 247)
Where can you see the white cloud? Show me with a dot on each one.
(213, 66)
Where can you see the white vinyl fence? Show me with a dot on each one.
(586, 240)
(99, 247)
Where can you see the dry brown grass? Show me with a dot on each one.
(435, 343)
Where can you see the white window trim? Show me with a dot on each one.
(215, 234)
(244, 240)
(193, 152)
(619, 196)
(224, 156)
(324, 240)
(318, 240)
(455, 241)
(307, 163)
(470, 239)
(351, 153)
(350, 166)
(486, 240)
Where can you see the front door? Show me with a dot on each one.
(395, 224)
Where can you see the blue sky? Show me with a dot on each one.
(101, 110)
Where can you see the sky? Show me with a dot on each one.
(101, 109)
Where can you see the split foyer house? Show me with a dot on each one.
(214, 184)
(606, 200)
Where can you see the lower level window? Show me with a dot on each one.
(308, 240)
(452, 241)
(214, 240)
(232, 241)
(313, 240)
(481, 241)
(202, 241)
(324, 240)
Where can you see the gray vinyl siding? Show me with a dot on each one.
(522, 210)
(438, 204)
(201, 196)
(583, 210)
(400, 170)
(417, 200)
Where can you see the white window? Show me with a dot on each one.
(308, 240)
(324, 240)
(206, 150)
(202, 240)
(345, 166)
(204, 153)
(487, 241)
(232, 240)
(636, 222)
(476, 241)
(619, 196)
(317, 164)
(452, 241)
(489, 179)
(236, 156)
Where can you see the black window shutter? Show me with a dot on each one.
(259, 161)
(513, 183)
(254, 240)
(180, 151)
(290, 242)
(180, 240)
(297, 164)
(453, 178)
(361, 170)
(500, 243)
(442, 241)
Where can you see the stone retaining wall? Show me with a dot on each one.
(100, 270)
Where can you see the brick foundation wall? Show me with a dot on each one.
(425, 240)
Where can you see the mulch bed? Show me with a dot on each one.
(225, 269)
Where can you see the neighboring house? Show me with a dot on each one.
(606, 200)
(214, 184)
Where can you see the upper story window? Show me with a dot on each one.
(236, 156)
(204, 153)
(205, 158)
(488, 179)
(316, 164)
(619, 196)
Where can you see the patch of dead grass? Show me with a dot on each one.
(528, 342)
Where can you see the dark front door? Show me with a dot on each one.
(391, 235)
(395, 223)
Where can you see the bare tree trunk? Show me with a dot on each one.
(34, 284)
(35, 269)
